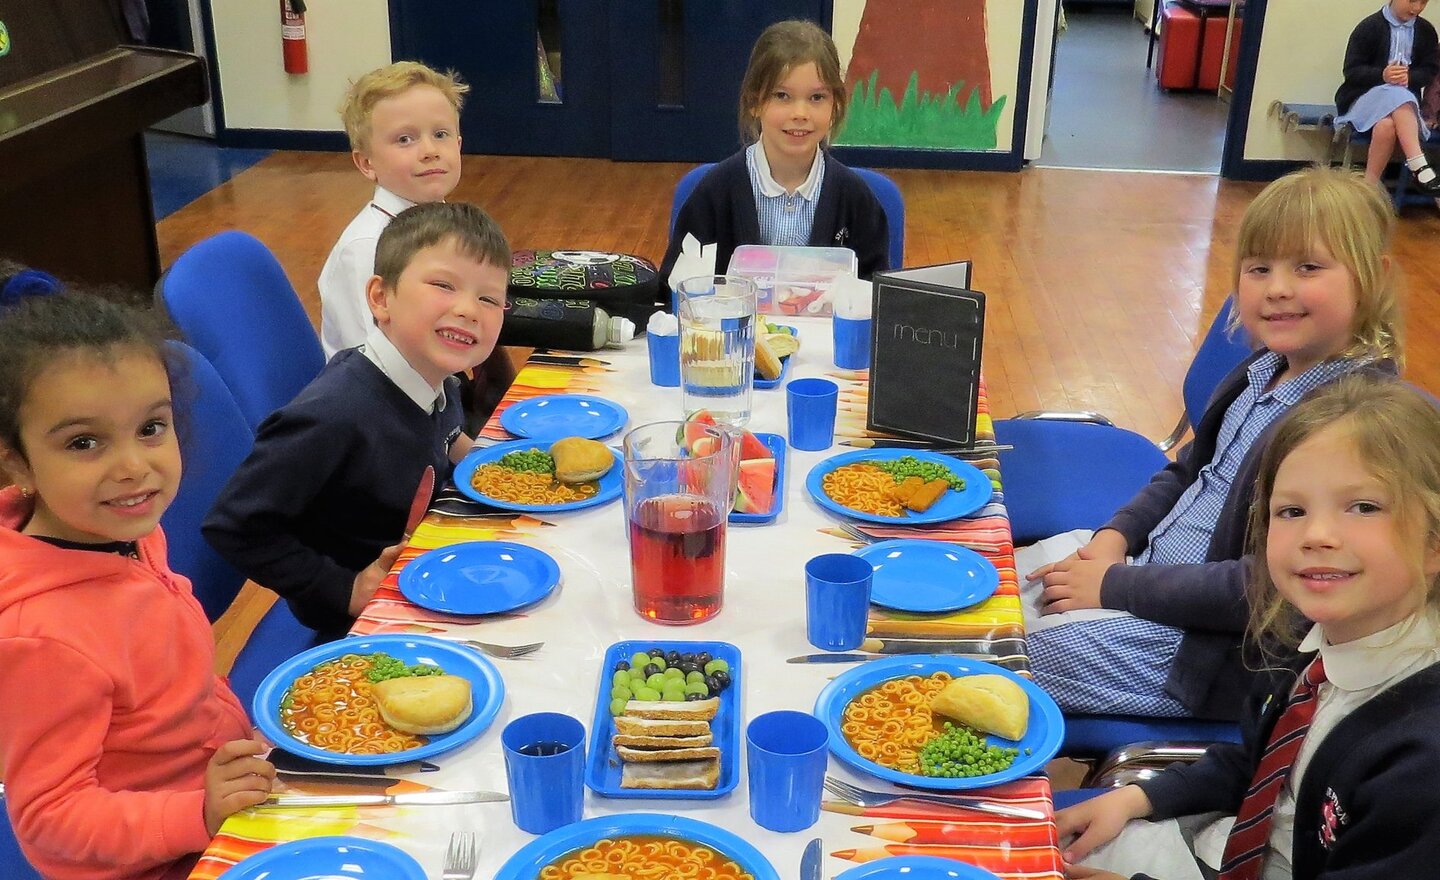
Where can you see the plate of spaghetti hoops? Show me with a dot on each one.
(638, 845)
(318, 704)
(482, 477)
(861, 485)
(880, 721)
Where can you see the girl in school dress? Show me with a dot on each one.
(1392, 55)
(1342, 732)
(784, 188)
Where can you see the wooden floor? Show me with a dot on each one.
(1098, 282)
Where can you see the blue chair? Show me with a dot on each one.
(231, 299)
(13, 864)
(214, 441)
(885, 190)
(1074, 470)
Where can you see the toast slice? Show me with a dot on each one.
(663, 742)
(690, 710)
(674, 775)
(650, 756)
(631, 726)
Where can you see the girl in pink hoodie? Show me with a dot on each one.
(122, 750)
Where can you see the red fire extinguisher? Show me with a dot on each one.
(292, 36)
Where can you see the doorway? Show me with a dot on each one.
(1107, 109)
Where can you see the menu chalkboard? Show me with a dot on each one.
(927, 335)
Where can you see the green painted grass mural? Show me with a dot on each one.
(921, 119)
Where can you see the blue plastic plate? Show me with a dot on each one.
(479, 577)
(917, 868)
(564, 415)
(328, 858)
(1039, 744)
(766, 384)
(603, 768)
(952, 505)
(610, 485)
(926, 576)
(777, 446)
(547, 849)
(487, 692)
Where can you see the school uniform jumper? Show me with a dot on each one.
(1365, 806)
(1206, 600)
(109, 706)
(328, 486)
(721, 210)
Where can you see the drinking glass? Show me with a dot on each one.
(678, 493)
(717, 346)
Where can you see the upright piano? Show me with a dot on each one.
(75, 100)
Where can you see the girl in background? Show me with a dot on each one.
(1392, 55)
(784, 188)
(1342, 738)
(123, 751)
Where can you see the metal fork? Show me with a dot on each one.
(462, 857)
(857, 534)
(504, 652)
(863, 798)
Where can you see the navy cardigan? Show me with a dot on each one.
(1368, 52)
(721, 210)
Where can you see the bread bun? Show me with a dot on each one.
(990, 703)
(424, 704)
(578, 460)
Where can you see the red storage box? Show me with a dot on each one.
(1183, 63)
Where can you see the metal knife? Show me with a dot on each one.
(834, 658)
(421, 798)
(421, 502)
(810, 862)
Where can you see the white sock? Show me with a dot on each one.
(1423, 172)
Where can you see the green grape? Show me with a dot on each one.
(694, 677)
(659, 662)
(617, 707)
(620, 692)
(621, 678)
(656, 681)
(638, 661)
(716, 665)
(674, 694)
(648, 694)
(698, 687)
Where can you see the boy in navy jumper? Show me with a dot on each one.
(316, 510)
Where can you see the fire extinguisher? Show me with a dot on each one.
(292, 36)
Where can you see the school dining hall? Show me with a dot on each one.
(824, 681)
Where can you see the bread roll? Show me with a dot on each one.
(990, 703)
(578, 460)
(424, 704)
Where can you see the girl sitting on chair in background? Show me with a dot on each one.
(123, 751)
(1342, 735)
(1392, 55)
(784, 188)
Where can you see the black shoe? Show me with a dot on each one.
(1430, 187)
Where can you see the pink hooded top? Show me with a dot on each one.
(109, 706)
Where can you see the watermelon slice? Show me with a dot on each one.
(751, 448)
(695, 427)
(756, 492)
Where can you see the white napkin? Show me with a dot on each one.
(663, 324)
(695, 260)
(851, 297)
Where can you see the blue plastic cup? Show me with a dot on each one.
(852, 343)
(664, 359)
(810, 405)
(787, 754)
(545, 765)
(837, 601)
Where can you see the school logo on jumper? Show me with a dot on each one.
(1332, 819)
(4, 40)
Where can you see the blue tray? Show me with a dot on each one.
(1039, 744)
(611, 484)
(329, 857)
(547, 849)
(603, 768)
(952, 505)
(487, 693)
(766, 384)
(917, 868)
(777, 445)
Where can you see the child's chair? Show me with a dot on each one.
(1073, 470)
(885, 190)
(214, 441)
(13, 864)
(231, 299)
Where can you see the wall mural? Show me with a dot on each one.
(933, 74)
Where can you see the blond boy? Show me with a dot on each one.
(403, 121)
